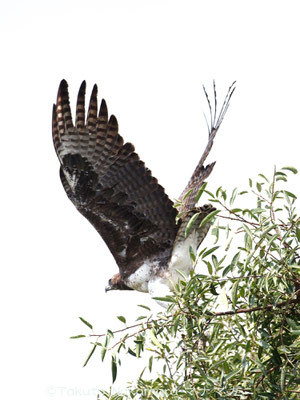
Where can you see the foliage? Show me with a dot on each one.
(250, 350)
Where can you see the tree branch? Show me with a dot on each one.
(268, 307)
(191, 376)
(210, 315)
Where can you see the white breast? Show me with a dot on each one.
(147, 279)
(140, 278)
(162, 285)
(180, 258)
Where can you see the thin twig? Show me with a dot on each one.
(168, 365)
(268, 372)
(191, 376)
(238, 217)
(124, 329)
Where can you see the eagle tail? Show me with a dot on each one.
(201, 172)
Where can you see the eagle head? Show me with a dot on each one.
(116, 283)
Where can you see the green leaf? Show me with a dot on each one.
(292, 195)
(103, 352)
(236, 210)
(182, 274)
(168, 299)
(233, 196)
(209, 251)
(282, 378)
(190, 224)
(216, 232)
(90, 355)
(234, 293)
(227, 269)
(122, 319)
(298, 233)
(200, 192)
(281, 178)
(141, 317)
(218, 191)
(228, 244)
(247, 230)
(248, 242)
(215, 261)
(209, 268)
(209, 217)
(296, 333)
(283, 349)
(150, 363)
(192, 254)
(231, 375)
(187, 194)
(292, 323)
(223, 299)
(109, 334)
(178, 204)
(263, 176)
(146, 307)
(280, 174)
(77, 337)
(276, 195)
(86, 323)
(114, 368)
(154, 339)
(292, 169)
(210, 194)
(264, 344)
(214, 365)
(212, 289)
(235, 259)
(131, 352)
(264, 233)
(224, 195)
(179, 216)
(138, 347)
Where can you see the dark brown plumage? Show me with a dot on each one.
(112, 188)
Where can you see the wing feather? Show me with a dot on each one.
(80, 107)
(93, 109)
(109, 184)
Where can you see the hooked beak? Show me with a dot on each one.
(109, 286)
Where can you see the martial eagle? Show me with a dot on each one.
(109, 184)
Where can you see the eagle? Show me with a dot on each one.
(110, 185)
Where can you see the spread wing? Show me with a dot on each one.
(188, 196)
(109, 184)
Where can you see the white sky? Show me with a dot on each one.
(149, 59)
